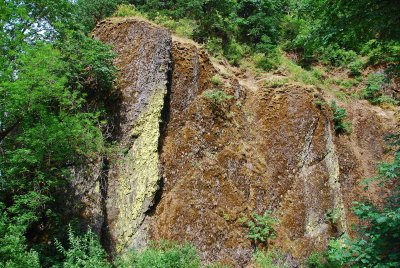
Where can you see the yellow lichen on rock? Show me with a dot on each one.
(139, 170)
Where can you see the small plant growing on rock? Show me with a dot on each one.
(261, 228)
(333, 215)
(339, 114)
(216, 80)
(274, 83)
(319, 103)
(217, 98)
(271, 259)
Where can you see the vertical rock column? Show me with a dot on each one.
(143, 58)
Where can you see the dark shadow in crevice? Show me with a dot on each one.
(105, 236)
(165, 118)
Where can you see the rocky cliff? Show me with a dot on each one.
(187, 169)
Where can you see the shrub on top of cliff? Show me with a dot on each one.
(163, 254)
(261, 228)
(338, 57)
(320, 103)
(316, 260)
(217, 98)
(127, 11)
(90, 12)
(384, 52)
(339, 115)
(266, 61)
(181, 27)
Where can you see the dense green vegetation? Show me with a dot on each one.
(54, 79)
(50, 74)
(335, 32)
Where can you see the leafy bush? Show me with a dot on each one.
(298, 73)
(214, 46)
(51, 86)
(356, 67)
(373, 92)
(319, 103)
(318, 73)
(384, 52)
(338, 57)
(235, 52)
(161, 255)
(13, 248)
(316, 260)
(127, 11)
(216, 80)
(217, 98)
(83, 251)
(339, 114)
(261, 227)
(267, 61)
(181, 27)
(292, 30)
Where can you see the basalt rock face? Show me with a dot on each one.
(202, 172)
(143, 62)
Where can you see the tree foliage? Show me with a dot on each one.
(50, 73)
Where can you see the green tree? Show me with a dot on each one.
(53, 80)
(89, 12)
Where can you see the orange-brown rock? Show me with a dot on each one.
(258, 148)
(267, 149)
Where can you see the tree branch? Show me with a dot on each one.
(7, 131)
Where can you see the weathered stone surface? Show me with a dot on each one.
(268, 148)
(143, 56)
(85, 197)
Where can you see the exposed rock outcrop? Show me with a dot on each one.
(266, 148)
(143, 63)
